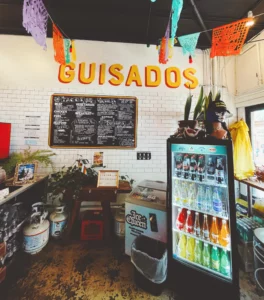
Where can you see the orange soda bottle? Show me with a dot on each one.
(214, 234)
(224, 238)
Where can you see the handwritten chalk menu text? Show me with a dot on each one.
(92, 121)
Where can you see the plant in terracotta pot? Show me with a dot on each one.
(188, 128)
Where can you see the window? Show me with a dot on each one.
(255, 122)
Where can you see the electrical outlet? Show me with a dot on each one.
(143, 155)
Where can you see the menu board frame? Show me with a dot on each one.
(114, 182)
(71, 146)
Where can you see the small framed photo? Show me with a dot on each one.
(98, 159)
(108, 178)
(25, 173)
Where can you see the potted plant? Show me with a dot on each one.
(27, 156)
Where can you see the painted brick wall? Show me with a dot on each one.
(28, 78)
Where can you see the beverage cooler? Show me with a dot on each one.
(202, 244)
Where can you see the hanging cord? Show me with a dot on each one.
(149, 16)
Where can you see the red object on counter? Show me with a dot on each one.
(5, 132)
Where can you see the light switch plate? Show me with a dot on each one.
(143, 155)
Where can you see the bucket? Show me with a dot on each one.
(120, 223)
(258, 245)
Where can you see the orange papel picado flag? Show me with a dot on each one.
(58, 45)
(229, 39)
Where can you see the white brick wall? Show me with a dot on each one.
(25, 89)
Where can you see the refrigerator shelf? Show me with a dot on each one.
(200, 239)
(200, 211)
(200, 266)
(211, 183)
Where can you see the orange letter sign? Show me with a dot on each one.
(156, 71)
(67, 76)
(82, 78)
(177, 77)
(133, 75)
(114, 70)
(188, 74)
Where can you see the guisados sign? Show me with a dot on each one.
(153, 76)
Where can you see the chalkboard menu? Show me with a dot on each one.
(92, 121)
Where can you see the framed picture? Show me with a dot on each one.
(25, 173)
(98, 159)
(108, 178)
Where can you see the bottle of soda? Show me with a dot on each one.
(191, 195)
(210, 169)
(177, 191)
(190, 248)
(198, 252)
(215, 259)
(224, 238)
(186, 165)
(189, 222)
(197, 228)
(206, 256)
(225, 263)
(200, 197)
(184, 193)
(217, 203)
(201, 165)
(207, 204)
(205, 229)
(182, 246)
(214, 234)
(178, 163)
(219, 171)
(193, 167)
(180, 222)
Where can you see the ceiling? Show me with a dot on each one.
(129, 22)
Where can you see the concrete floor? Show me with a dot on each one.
(75, 272)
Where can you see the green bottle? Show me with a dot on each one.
(225, 263)
(198, 252)
(215, 259)
(206, 256)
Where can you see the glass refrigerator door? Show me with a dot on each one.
(200, 208)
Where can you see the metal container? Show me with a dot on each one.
(120, 223)
(36, 233)
(58, 220)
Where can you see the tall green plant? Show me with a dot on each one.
(187, 108)
(199, 106)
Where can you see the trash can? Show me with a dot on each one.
(150, 259)
(258, 245)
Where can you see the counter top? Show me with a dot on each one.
(19, 188)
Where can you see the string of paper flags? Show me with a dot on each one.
(35, 21)
(226, 40)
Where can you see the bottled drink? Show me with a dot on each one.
(225, 263)
(197, 228)
(178, 163)
(215, 259)
(207, 204)
(200, 197)
(198, 252)
(219, 171)
(177, 191)
(224, 238)
(181, 219)
(214, 234)
(191, 195)
(205, 228)
(217, 202)
(182, 246)
(193, 167)
(189, 222)
(201, 165)
(184, 193)
(206, 256)
(190, 248)
(186, 166)
(210, 169)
